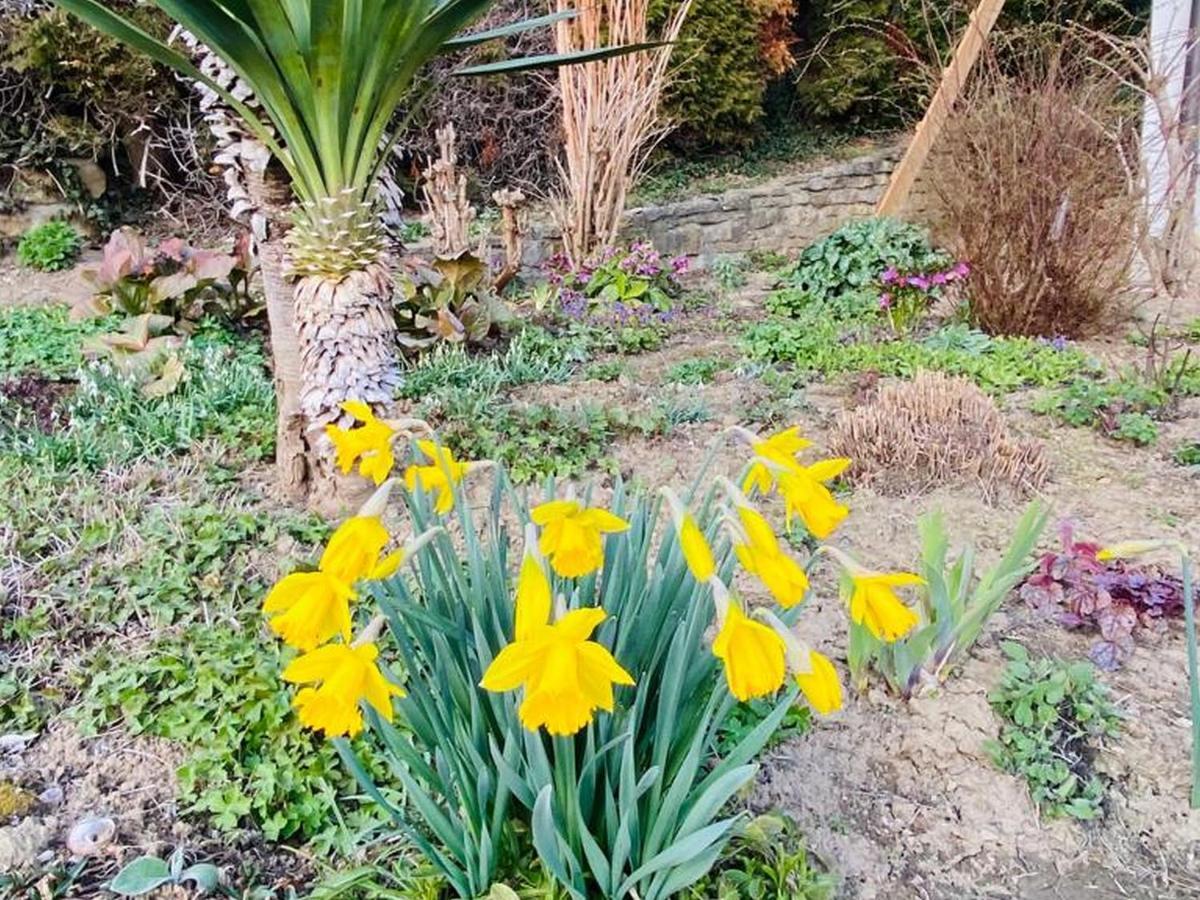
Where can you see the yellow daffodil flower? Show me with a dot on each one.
(814, 673)
(572, 536)
(782, 448)
(1130, 549)
(696, 552)
(752, 653)
(370, 444)
(874, 603)
(805, 495)
(308, 608)
(344, 675)
(566, 676)
(821, 685)
(762, 556)
(439, 477)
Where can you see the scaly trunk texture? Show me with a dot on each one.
(270, 194)
(347, 341)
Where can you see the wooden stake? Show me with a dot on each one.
(983, 19)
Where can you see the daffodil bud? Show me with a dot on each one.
(376, 504)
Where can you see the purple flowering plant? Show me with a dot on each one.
(905, 297)
(628, 291)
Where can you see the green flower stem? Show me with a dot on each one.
(1189, 606)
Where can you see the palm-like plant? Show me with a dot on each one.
(327, 77)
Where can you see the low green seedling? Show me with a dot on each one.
(1054, 716)
(767, 860)
(694, 371)
(148, 873)
(50, 247)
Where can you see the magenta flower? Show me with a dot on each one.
(920, 282)
(885, 301)
(890, 275)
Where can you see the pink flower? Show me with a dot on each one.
(890, 275)
(885, 301)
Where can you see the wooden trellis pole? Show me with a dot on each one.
(983, 19)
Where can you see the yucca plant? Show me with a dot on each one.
(327, 78)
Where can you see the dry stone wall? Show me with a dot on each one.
(786, 213)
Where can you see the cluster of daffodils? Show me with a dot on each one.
(566, 676)
(311, 611)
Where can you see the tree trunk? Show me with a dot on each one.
(269, 192)
(347, 333)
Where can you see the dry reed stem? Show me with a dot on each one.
(611, 119)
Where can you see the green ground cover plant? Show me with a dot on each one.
(1054, 717)
(43, 340)
(816, 345)
(1187, 454)
(50, 247)
(695, 371)
(766, 861)
(1125, 407)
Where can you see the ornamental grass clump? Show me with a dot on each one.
(568, 664)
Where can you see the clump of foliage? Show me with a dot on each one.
(1044, 138)
(839, 274)
(149, 873)
(1127, 407)
(216, 690)
(49, 247)
(955, 606)
(174, 279)
(816, 344)
(694, 371)
(541, 440)
(906, 297)
(1055, 716)
(1115, 598)
(605, 370)
(728, 51)
(43, 340)
(624, 301)
(1187, 454)
(108, 419)
(933, 430)
(450, 299)
(767, 860)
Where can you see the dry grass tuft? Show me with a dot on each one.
(933, 430)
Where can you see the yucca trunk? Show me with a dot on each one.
(345, 325)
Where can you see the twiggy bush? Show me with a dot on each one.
(1030, 180)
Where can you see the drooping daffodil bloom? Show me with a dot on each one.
(760, 553)
(344, 675)
(369, 444)
(696, 552)
(805, 495)
(572, 535)
(821, 685)
(1130, 549)
(439, 477)
(565, 675)
(873, 600)
(752, 653)
(308, 608)
(781, 448)
(813, 671)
